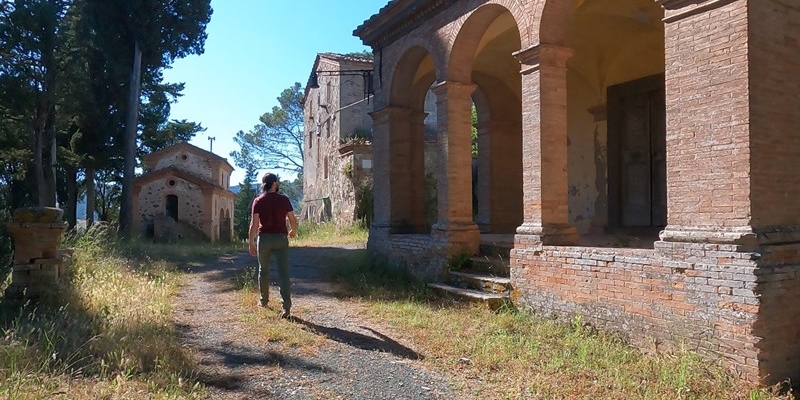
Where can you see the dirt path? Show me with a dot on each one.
(358, 359)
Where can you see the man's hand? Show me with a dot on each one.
(292, 233)
(253, 250)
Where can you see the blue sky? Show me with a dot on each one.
(256, 49)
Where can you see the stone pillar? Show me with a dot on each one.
(455, 225)
(38, 264)
(544, 146)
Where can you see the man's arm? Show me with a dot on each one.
(251, 236)
(292, 224)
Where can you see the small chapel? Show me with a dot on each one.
(184, 193)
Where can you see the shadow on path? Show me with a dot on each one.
(383, 343)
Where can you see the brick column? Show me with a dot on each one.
(398, 147)
(485, 179)
(544, 146)
(499, 187)
(381, 188)
(454, 103)
(732, 146)
(708, 136)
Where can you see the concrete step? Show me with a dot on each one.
(492, 300)
(480, 282)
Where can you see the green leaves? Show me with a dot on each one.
(277, 142)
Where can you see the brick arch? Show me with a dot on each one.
(407, 89)
(469, 32)
(552, 19)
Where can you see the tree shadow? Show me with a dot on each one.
(382, 343)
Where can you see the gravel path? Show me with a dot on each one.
(358, 360)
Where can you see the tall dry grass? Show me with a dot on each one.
(107, 333)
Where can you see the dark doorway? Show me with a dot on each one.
(172, 206)
(637, 172)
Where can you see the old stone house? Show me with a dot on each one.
(184, 193)
(337, 162)
(638, 155)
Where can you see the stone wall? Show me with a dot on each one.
(152, 202)
(188, 161)
(333, 113)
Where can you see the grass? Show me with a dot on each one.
(512, 354)
(310, 234)
(108, 333)
(265, 329)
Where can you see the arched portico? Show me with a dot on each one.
(399, 139)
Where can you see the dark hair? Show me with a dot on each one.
(267, 180)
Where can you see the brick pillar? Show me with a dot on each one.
(39, 266)
(707, 100)
(499, 187)
(381, 188)
(398, 147)
(732, 146)
(544, 146)
(485, 177)
(454, 104)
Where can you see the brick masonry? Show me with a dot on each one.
(724, 276)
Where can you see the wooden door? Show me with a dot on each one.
(637, 149)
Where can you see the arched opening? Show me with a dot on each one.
(172, 206)
(615, 117)
(225, 233)
(483, 55)
(413, 152)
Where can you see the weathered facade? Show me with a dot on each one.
(604, 125)
(337, 162)
(185, 191)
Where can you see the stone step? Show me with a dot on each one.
(480, 282)
(492, 300)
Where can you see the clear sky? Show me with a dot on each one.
(255, 49)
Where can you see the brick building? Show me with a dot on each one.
(184, 192)
(639, 154)
(337, 161)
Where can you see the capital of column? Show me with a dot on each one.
(543, 54)
(453, 89)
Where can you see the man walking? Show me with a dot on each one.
(268, 221)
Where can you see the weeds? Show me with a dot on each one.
(311, 234)
(515, 354)
(106, 333)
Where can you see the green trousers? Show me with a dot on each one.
(277, 244)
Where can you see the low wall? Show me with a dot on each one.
(421, 254)
(719, 299)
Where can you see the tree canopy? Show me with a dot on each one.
(66, 69)
(276, 143)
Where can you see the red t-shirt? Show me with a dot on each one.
(272, 209)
